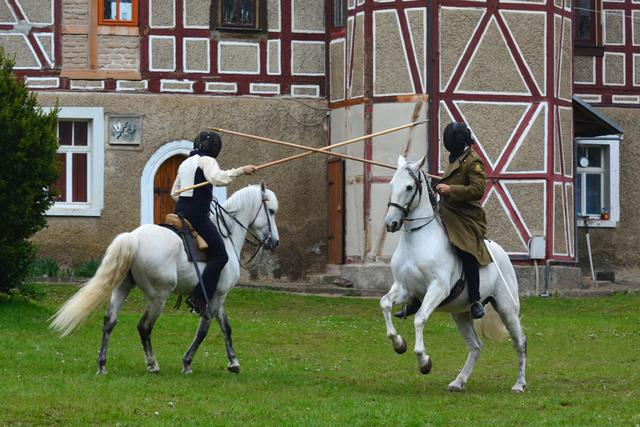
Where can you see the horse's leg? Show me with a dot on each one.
(111, 318)
(145, 327)
(512, 323)
(386, 303)
(432, 299)
(464, 324)
(225, 328)
(201, 334)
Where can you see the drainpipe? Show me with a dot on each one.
(575, 232)
(431, 90)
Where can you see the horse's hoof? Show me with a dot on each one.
(424, 370)
(187, 370)
(153, 369)
(234, 369)
(517, 389)
(402, 349)
(102, 371)
(455, 389)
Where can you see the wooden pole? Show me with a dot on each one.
(351, 141)
(310, 150)
(302, 147)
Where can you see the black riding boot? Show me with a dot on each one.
(472, 272)
(410, 309)
(198, 304)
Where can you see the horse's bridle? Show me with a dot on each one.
(418, 191)
(218, 210)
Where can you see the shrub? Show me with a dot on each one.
(28, 146)
(45, 267)
(87, 268)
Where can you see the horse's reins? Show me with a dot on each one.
(418, 191)
(218, 210)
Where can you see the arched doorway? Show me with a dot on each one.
(179, 149)
(163, 203)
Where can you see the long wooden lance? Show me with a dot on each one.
(351, 141)
(311, 150)
(302, 147)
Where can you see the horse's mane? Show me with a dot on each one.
(243, 197)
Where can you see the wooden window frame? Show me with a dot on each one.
(133, 22)
(339, 13)
(94, 150)
(589, 46)
(259, 24)
(609, 170)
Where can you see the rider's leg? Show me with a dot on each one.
(472, 272)
(410, 309)
(214, 267)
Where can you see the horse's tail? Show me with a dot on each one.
(491, 326)
(93, 294)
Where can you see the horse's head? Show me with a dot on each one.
(264, 224)
(406, 192)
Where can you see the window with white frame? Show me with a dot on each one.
(597, 181)
(80, 161)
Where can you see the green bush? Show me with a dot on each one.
(45, 267)
(87, 268)
(28, 146)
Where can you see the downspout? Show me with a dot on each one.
(431, 69)
(575, 230)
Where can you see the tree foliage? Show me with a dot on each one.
(28, 146)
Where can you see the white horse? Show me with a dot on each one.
(154, 258)
(425, 265)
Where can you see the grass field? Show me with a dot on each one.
(317, 361)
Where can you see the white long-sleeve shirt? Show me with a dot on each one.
(211, 170)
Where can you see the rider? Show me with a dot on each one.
(461, 188)
(199, 167)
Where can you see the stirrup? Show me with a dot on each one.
(477, 313)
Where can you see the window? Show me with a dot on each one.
(339, 13)
(118, 12)
(73, 160)
(240, 15)
(81, 162)
(597, 181)
(587, 28)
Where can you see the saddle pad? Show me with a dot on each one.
(201, 255)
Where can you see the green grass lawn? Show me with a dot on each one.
(316, 361)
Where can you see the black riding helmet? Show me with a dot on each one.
(456, 138)
(208, 143)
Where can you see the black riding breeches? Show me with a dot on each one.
(203, 225)
(472, 272)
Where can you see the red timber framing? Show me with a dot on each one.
(284, 34)
(627, 88)
(497, 176)
(47, 68)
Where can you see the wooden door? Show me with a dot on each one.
(336, 211)
(163, 204)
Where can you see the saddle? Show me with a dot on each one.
(198, 244)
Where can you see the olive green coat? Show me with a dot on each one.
(462, 212)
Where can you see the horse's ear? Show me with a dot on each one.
(423, 162)
(401, 161)
(263, 188)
